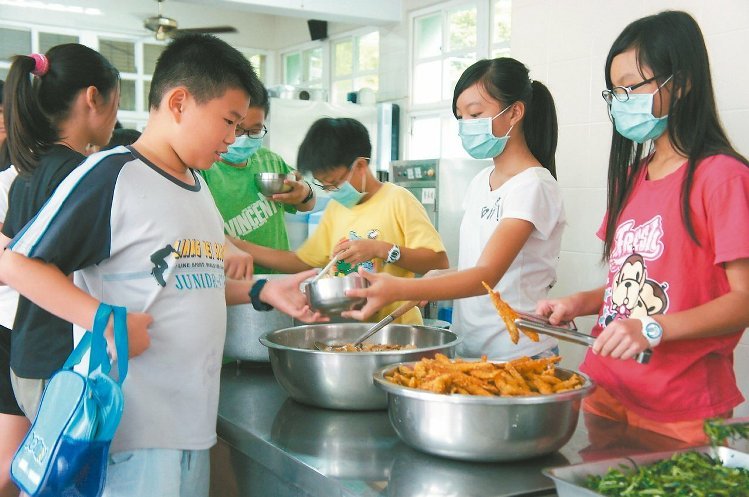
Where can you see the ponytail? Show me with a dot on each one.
(34, 110)
(540, 126)
(507, 81)
(29, 130)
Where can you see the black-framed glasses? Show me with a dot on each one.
(251, 133)
(621, 93)
(335, 188)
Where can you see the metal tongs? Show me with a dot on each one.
(569, 332)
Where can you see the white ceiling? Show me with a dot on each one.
(351, 11)
(267, 24)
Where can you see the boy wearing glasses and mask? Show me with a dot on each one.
(249, 215)
(379, 226)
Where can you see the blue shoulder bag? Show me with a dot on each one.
(66, 450)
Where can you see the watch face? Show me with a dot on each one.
(652, 330)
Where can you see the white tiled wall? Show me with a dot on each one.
(565, 43)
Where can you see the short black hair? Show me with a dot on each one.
(263, 101)
(206, 66)
(2, 84)
(331, 143)
(122, 136)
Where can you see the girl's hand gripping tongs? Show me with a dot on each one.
(569, 332)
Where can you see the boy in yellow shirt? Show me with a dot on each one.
(380, 226)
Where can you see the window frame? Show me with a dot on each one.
(300, 48)
(354, 37)
(485, 13)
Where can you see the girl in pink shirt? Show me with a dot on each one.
(675, 237)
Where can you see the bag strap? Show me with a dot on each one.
(96, 342)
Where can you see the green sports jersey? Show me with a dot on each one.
(247, 214)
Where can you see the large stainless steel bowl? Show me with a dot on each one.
(328, 295)
(272, 183)
(476, 428)
(245, 325)
(343, 380)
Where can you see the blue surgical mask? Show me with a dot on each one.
(347, 195)
(478, 139)
(242, 149)
(634, 118)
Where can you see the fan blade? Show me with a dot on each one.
(214, 29)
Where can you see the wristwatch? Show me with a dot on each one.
(651, 330)
(255, 290)
(394, 254)
(310, 195)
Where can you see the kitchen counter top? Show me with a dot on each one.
(272, 445)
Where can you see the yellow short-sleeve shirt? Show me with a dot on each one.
(392, 215)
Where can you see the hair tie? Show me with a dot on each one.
(41, 64)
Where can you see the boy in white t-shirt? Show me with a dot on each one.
(141, 230)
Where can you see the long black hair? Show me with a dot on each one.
(33, 111)
(669, 43)
(507, 81)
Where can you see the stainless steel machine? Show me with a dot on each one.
(440, 185)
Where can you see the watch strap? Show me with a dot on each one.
(254, 293)
(310, 195)
(651, 330)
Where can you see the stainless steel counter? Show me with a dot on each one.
(271, 445)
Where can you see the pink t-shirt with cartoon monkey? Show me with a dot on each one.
(656, 268)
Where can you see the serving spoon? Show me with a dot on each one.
(398, 312)
(325, 270)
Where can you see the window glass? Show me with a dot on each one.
(14, 42)
(502, 19)
(292, 68)
(453, 68)
(462, 28)
(424, 133)
(120, 53)
(428, 35)
(313, 64)
(258, 62)
(49, 40)
(146, 91)
(369, 51)
(127, 94)
(3, 73)
(372, 82)
(500, 52)
(451, 144)
(340, 90)
(343, 58)
(427, 82)
(151, 54)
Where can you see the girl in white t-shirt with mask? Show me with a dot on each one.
(512, 227)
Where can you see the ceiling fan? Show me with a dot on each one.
(165, 27)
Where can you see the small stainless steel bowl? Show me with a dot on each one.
(343, 380)
(272, 183)
(476, 428)
(328, 295)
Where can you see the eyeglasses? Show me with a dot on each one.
(251, 133)
(621, 93)
(335, 188)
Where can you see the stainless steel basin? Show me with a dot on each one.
(343, 380)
